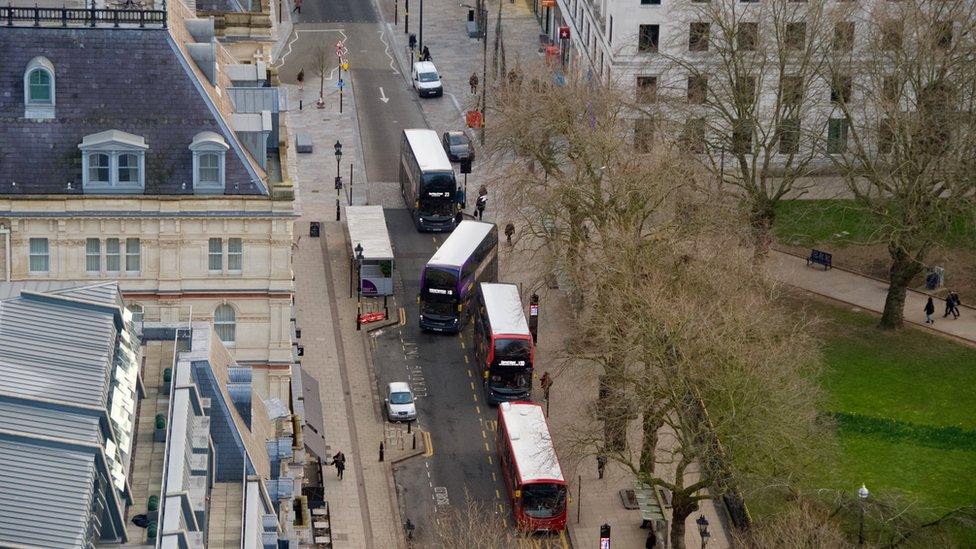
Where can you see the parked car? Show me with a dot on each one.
(400, 402)
(458, 147)
(426, 80)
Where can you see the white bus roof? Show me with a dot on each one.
(367, 226)
(504, 308)
(429, 151)
(528, 433)
(461, 244)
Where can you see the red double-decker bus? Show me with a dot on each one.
(502, 343)
(530, 468)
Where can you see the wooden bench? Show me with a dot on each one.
(820, 258)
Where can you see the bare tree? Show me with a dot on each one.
(737, 84)
(902, 127)
(321, 65)
(474, 525)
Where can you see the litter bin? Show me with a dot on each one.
(935, 278)
(313, 229)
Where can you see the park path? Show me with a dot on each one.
(867, 293)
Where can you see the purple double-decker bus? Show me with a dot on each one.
(447, 282)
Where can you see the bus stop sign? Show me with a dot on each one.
(605, 536)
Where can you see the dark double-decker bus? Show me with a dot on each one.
(447, 282)
(502, 343)
(530, 468)
(427, 181)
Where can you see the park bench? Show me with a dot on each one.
(821, 258)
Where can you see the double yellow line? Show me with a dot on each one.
(428, 444)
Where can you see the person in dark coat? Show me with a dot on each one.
(426, 54)
(601, 464)
(339, 460)
(481, 204)
(473, 82)
(953, 297)
(509, 232)
(651, 542)
(301, 78)
(929, 311)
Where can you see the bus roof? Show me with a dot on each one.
(504, 308)
(528, 434)
(461, 244)
(429, 151)
(367, 226)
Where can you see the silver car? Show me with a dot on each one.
(400, 402)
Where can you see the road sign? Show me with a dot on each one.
(345, 66)
(340, 84)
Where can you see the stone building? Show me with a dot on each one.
(127, 153)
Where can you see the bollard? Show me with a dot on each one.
(381, 451)
(299, 104)
(414, 447)
(409, 423)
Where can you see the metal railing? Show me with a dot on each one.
(92, 17)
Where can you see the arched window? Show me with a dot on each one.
(225, 323)
(209, 150)
(39, 89)
(98, 168)
(137, 313)
(128, 168)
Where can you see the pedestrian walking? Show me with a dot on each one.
(481, 204)
(298, 7)
(509, 232)
(929, 311)
(473, 82)
(426, 54)
(381, 451)
(948, 304)
(651, 542)
(601, 464)
(301, 75)
(956, 302)
(458, 217)
(339, 460)
(545, 382)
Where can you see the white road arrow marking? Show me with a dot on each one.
(383, 96)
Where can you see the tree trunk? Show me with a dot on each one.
(761, 219)
(649, 444)
(682, 507)
(903, 270)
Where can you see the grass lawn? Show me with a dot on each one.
(907, 406)
(842, 222)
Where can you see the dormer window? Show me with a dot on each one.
(209, 151)
(113, 161)
(39, 89)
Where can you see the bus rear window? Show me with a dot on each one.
(513, 350)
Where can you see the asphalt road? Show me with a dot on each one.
(462, 467)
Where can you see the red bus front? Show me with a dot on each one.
(540, 506)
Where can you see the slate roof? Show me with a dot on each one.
(133, 80)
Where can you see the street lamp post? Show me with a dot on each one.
(338, 179)
(359, 285)
(421, 27)
(862, 496)
(703, 529)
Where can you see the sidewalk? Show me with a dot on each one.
(867, 293)
(363, 504)
(456, 56)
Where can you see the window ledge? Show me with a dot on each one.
(112, 189)
(37, 111)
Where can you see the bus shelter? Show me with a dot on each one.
(367, 228)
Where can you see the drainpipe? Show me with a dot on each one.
(5, 231)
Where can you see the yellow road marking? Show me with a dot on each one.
(466, 362)
(498, 495)
(493, 477)
(475, 397)
(486, 447)
(501, 508)
(490, 460)
(477, 410)
(470, 374)
(403, 316)
(484, 435)
(562, 539)
(472, 386)
(462, 343)
(429, 443)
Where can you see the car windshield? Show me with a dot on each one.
(427, 77)
(401, 398)
(516, 381)
(543, 500)
(458, 139)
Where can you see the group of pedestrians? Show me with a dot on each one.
(952, 303)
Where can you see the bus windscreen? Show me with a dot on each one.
(543, 500)
(440, 288)
(513, 352)
(437, 195)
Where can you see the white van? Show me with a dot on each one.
(426, 80)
